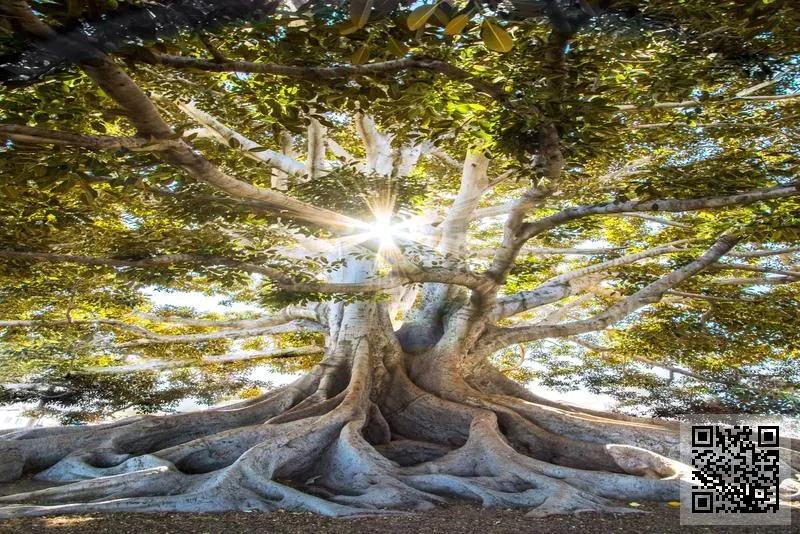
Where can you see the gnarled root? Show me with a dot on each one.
(380, 444)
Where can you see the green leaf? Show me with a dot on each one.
(496, 38)
(359, 12)
(360, 56)
(421, 15)
(457, 25)
(397, 48)
(234, 143)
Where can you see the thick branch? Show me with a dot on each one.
(474, 182)
(539, 251)
(282, 280)
(327, 75)
(228, 136)
(648, 295)
(155, 261)
(774, 281)
(149, 124)
(287, 314)
(754, 269)
(315, 157)
(562, 286)
(65, 323)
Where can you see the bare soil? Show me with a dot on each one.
(459, 518)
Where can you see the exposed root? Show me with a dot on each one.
(34, 451)
(377, 444)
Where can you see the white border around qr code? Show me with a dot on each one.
(694, 496)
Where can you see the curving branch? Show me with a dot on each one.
(497, 338)
(161, 365)
(158, 339)
(144, 116)
(66, 323)
(761, 253)
(570, 283)
(377, 145)
(249, 148)
(774, 281)
(659, 205)
(335, 74)
(315, 156)
(289, 313)
(410, 274)
(474, 182)
(545, 251)
(698, 103)
(754, 269)
(34, 135)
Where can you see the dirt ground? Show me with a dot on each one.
(461, 518)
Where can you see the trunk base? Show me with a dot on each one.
(381, 445)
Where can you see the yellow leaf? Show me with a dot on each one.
(397, 48)
(348, 27)
(360, 56)
(359, 12)
(496, 38)
(418, 17)
(674, 504)
(634, 504)
(457, 25)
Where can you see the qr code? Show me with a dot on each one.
(736, 469)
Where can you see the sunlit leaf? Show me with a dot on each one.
(457, 25)
(420, 16)
(496, 38)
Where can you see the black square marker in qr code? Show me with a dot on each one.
(735, 469)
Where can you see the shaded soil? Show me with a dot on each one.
(455, 519)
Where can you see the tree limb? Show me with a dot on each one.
(149, 124)
(227, 136)
(161, 365)
(35, 135)
(327, 75)
(698, 103)
(562, 286)
(501, 337)
(762, 253)
(660, 205)
(281, 279)
(157, 339)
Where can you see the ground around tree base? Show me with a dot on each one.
(452, 519)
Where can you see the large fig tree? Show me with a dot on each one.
(412, 197)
